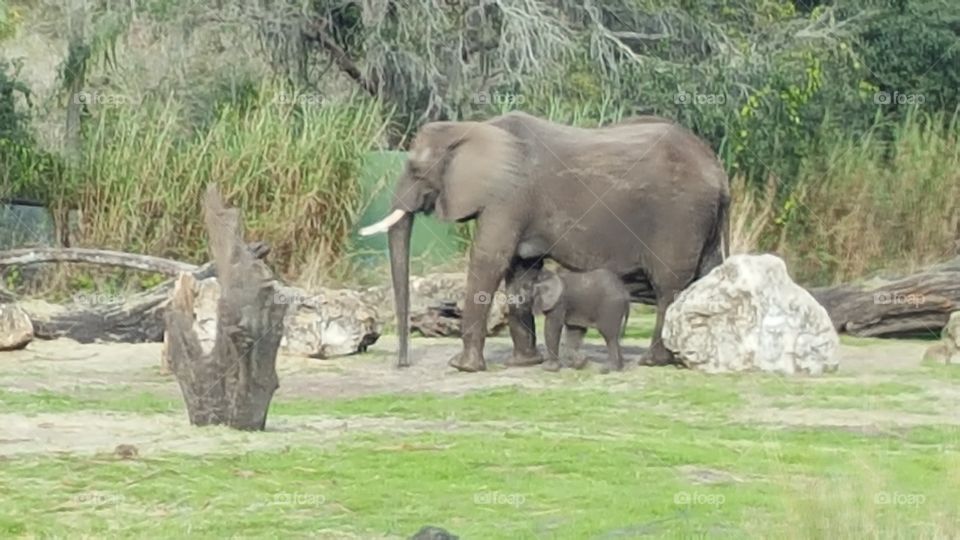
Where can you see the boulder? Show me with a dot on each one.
(337, 322)
(947, 350)
(16, 330)
(436, 304)
(326, 324)
(332, 322)
(748, 315)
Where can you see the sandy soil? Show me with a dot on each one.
(65, 366)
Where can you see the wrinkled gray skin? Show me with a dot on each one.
(645, 199)
(576, 301)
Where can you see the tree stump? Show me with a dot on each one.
(234, 383)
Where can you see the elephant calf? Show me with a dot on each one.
(575, 301)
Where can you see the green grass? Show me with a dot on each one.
(817, 390)
(571, 466)
(659, 389)
(657, 453)
(940, 371)
(117, 400)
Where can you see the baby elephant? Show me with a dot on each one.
(577, 300)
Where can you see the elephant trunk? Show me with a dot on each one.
(399, 241)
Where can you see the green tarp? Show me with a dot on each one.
(22, 225)
(431, 240)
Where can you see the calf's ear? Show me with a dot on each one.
(547, 292)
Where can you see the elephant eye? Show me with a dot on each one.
(414, 171)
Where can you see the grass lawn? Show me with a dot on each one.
(591, 457)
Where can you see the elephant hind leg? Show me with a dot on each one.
(658, 354)
(614, 356)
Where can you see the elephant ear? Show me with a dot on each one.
(547, 292)
(480, 169)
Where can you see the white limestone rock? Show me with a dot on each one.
(748, 315)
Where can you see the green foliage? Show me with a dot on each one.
(288, 164)
(774, 87)
(868, 202)
(9, 20)
(25, 169)
(910, 49)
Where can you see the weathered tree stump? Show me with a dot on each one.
(234, 383)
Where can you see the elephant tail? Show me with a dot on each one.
(725, 224)
(717, 247)
(626, 319)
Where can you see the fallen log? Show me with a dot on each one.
(106, 257)
(234, 383)
(137, 318)
(916, 305)
(101, 257)
(901, 306)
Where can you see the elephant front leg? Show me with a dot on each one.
(519, 280)
(574, 341)
(552, 330)
(490, 255)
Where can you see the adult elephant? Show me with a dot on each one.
(645, 198)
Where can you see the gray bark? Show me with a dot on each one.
(138, 319)
(900, 306)
(234, 384)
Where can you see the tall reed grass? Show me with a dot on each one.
(289, 164)
(889, 200)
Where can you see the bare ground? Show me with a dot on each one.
(65, 366)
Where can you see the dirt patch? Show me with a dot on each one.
(700, 475)
(93, 433)
(848, 418)
(65, 366)
(888, 356)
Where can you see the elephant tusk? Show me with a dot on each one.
(384, 224)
